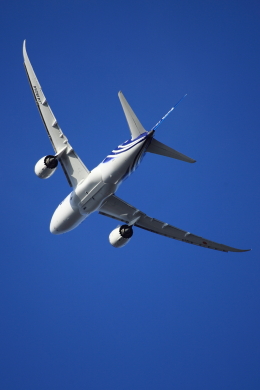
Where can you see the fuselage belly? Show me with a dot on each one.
(102, 182)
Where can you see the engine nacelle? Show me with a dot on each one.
(120, 236)
(46, 167)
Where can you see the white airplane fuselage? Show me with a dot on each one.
(94, 190)
(102, 182)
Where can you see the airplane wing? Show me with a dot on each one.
(116, 208)
(73, 167)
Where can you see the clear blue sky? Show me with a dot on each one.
(75, 313)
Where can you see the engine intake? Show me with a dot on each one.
(46, 167)
(120, 236)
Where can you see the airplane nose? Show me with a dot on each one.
(65, 218)
(53, 229)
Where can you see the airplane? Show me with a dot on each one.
(95, 190)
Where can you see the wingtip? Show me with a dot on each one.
(243, 250)
(24, 48)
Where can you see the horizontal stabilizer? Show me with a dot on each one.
(133, 122)
(157, 147)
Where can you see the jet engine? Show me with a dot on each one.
(46, 166)
(120, 236)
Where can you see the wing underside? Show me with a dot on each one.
(73, 167)
(116, 208)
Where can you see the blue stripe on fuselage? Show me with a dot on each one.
(138, 159)
(127, 145)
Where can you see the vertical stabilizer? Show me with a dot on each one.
(133, 122)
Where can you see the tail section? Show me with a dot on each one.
(157, 147)
(164, 150)
(134, 124)
(137, 129)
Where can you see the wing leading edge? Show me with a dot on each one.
(73, 167)
(116, 208)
